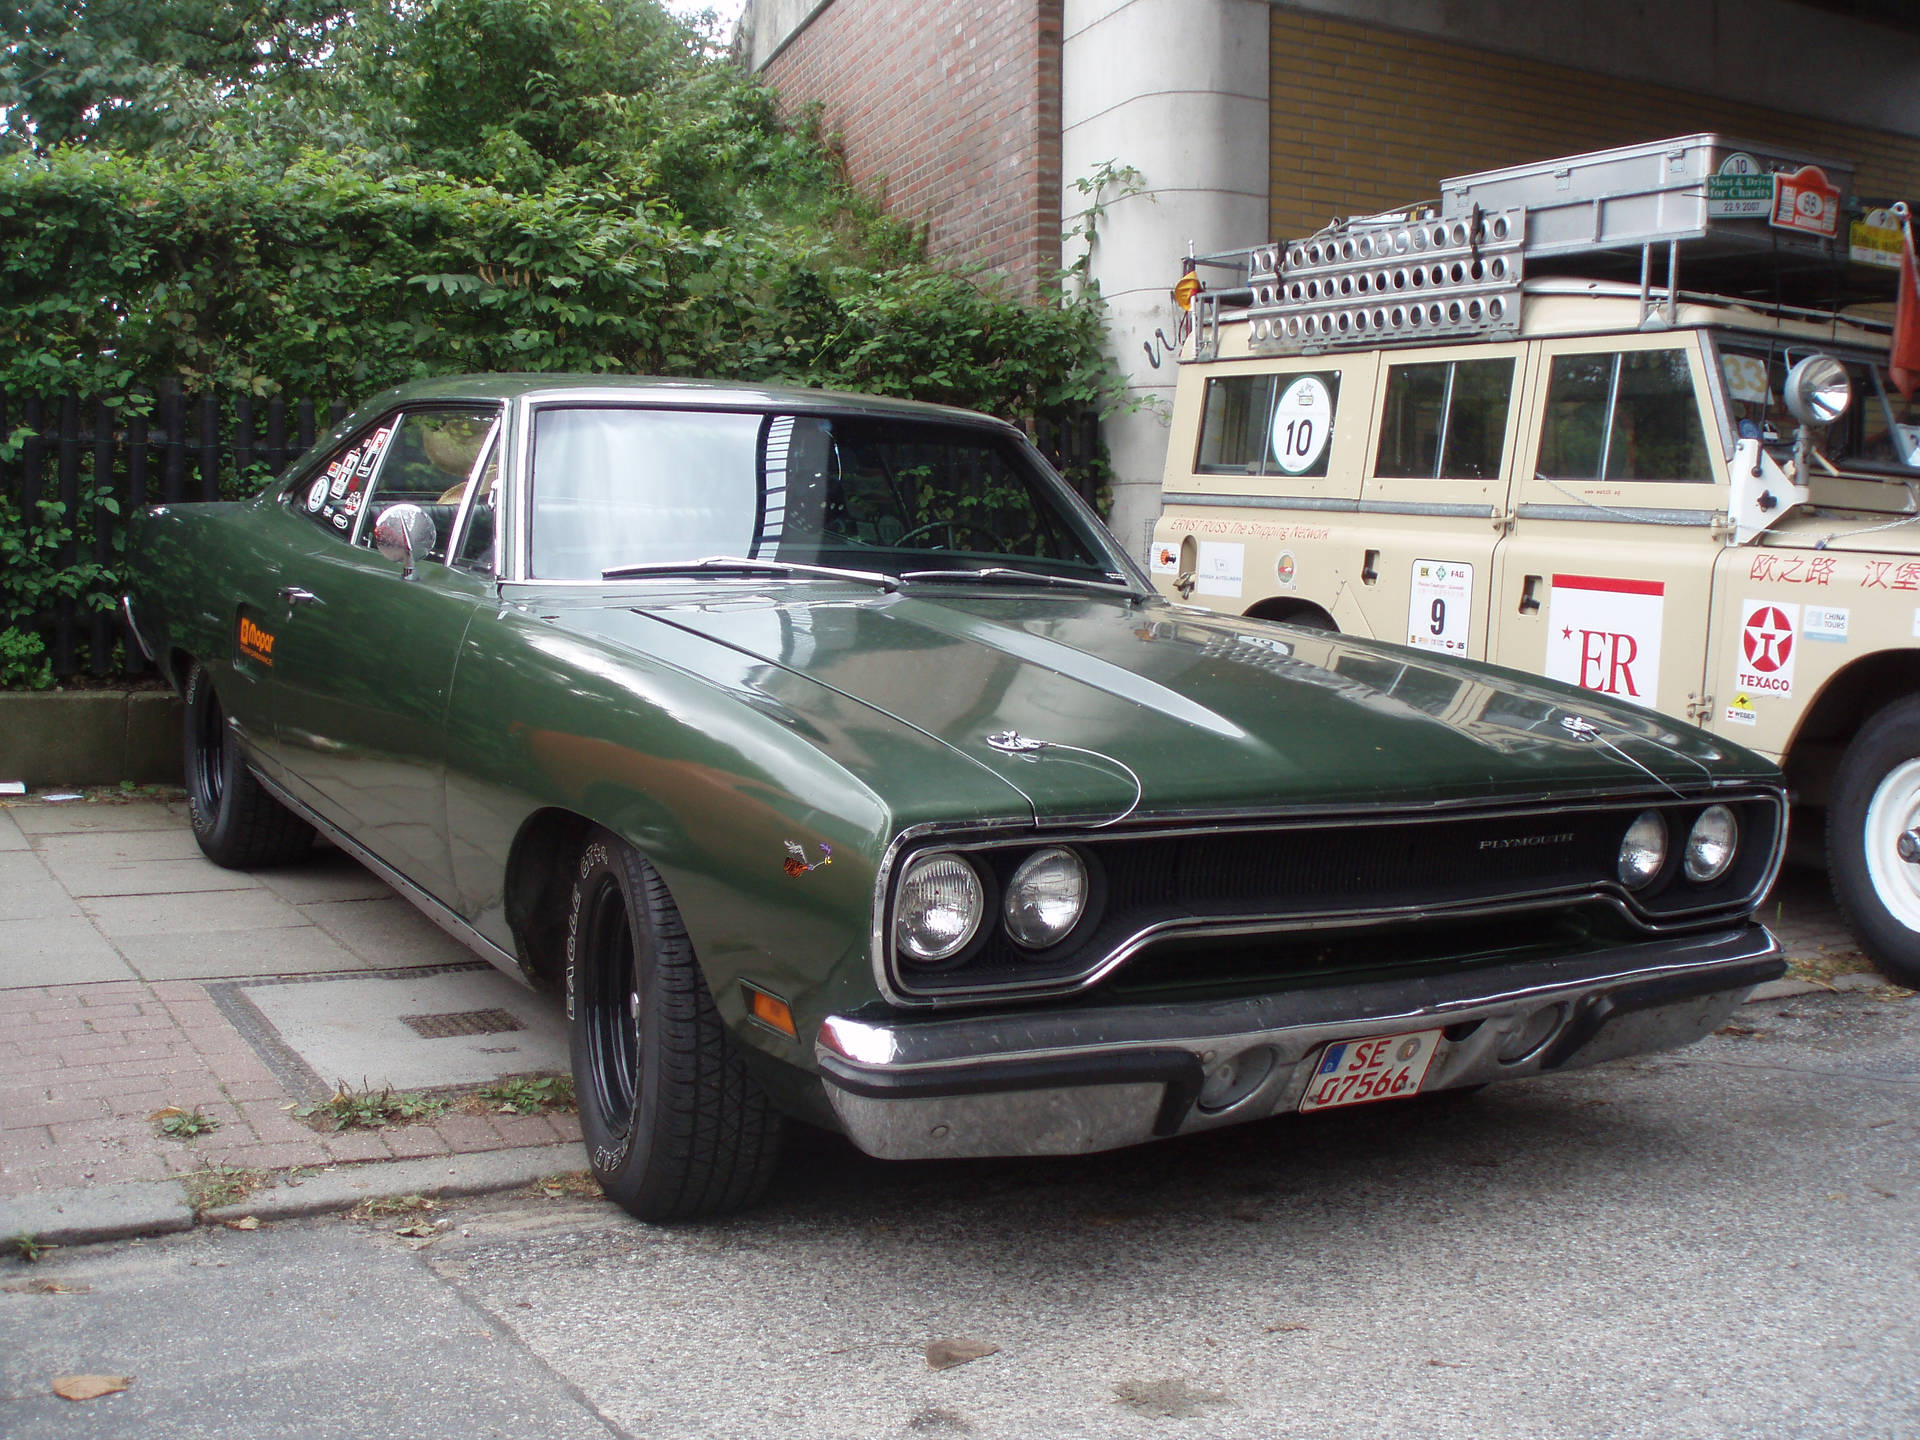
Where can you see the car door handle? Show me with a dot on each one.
(294, 595)
(1530, 596)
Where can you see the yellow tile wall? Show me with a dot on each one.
(1365, 119)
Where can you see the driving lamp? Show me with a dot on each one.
(1643, 851)
(1711, 844)
(1817, 391)
(939, 908)
(1046, 898)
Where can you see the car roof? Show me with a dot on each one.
(629, 389)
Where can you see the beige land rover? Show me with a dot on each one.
(1498, 427)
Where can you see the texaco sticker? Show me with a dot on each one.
(1764, 662)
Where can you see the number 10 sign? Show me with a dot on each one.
(1302, 421)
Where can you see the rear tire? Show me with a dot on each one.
(1876, 800)
(238, 824)
(674, 1126)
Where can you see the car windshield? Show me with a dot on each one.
(627, 488)
(1879, 432)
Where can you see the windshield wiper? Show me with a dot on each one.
(739, 565)
(1007, 575)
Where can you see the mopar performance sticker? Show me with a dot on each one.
(1824, 622)
(255, 643)
(1741, 711)
(1764, 662)
(1441, 608)
(1219, 569)
(1603, 634)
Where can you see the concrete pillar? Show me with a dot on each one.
(1176, 89)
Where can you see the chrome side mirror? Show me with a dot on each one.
(404, 532)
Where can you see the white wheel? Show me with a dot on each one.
(1892, 814)
(1872, 817)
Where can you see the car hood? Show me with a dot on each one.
(1146, 706)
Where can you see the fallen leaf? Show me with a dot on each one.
(164, 1112)
(245, 1222)
(1446, 1365)
(945, 1354)
(46, 1287)
(90, 1387)
(419, 1230)
(1279, 1329)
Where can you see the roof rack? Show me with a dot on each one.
(1456, 269)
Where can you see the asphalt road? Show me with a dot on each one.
(1716, 1243)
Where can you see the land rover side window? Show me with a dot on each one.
(1623, 416)
(1445, 421)
(431, 461)
(332, 495)
(1268, 424)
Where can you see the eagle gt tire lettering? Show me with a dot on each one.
(673, 1125)
(238, 824)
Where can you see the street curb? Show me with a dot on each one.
(342, 1187)
(93, 1214)
(90, 1214)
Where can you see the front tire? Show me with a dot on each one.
(238, 824)
(674, 1126)
(1876, 801)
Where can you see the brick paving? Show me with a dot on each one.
(100, 1027)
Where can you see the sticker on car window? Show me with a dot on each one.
(1440, 611)
(317, 495)
(1302, 421)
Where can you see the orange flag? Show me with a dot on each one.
(1903, 366)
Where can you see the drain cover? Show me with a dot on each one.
(462, 1022)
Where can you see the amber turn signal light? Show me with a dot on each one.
(770, 1011)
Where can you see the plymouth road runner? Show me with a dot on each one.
(837, 766)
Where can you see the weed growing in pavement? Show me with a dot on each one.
(215, 1186)
(371, 1109)
(579, 1184)
(183, 1124)
(377, 1207)
(30, 1248)
(528, 1095)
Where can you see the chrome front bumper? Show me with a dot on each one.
(1072, 1081)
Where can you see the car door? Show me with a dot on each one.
(1605, 580)
(366, 652)
(1437, 479)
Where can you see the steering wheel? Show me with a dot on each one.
(954, 528)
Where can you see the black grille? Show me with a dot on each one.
(1403, 865)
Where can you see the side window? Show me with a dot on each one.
(334, 495)
(1623, 416)
(1445, 421)
(431, 461)
(1268, 424)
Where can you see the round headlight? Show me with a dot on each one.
(939, 908)
(1644, 850)
(1045, 898)
(1711, 845)
(1817, 390)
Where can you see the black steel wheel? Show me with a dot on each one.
(238, 824)
(674, 1126)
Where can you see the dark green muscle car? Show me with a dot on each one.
(837, 766)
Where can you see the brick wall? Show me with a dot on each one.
(950, 112)
(1365, 119)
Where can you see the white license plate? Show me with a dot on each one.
(1380, 1067)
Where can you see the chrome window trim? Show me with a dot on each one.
(1452, 509)
(968, 837)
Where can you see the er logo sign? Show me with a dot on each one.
(1764, 664)
(1604, 634)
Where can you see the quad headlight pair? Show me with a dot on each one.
(942, 902)
(1710, 847)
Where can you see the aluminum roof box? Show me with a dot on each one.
(1619, 200)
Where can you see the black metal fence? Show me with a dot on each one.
(98, 455)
